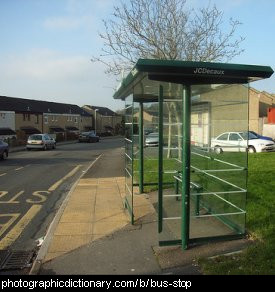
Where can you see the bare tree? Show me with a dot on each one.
(166, 29)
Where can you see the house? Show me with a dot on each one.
(62, 118)
(105, 119)
(36, 116)
(7, 124)
(259, 103)
(7, 119)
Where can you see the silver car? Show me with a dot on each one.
(40, 141)
(240, 142)
(152, 140)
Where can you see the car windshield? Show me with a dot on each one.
(35, 137)
(153, 135)
(254, 133)
(248, 136)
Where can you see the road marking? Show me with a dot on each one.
(15, 232)
(19, 168)
(12, 200)
(42, 198)
(58, 183)
(3, 193)
(5, 226)
(2, 174)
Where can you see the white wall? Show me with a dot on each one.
(269, 130)
(7, 120)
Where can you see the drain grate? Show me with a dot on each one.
(3, 256)
(17, 260)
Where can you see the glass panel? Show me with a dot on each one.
(146, 91)
(129, 155)
(151, 142)
(219, 120)
(136, 146)
(172, 156)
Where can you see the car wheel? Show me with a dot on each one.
(4, 155)
(218, 150)
(44, 148)
(251, 149)
(54, 145)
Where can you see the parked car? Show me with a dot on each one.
(241, 141)
(88, 137)
(152, 140)
(148, 131)
(40, 141)
(4, 150)
(262, 137)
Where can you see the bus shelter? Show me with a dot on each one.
(187, 142)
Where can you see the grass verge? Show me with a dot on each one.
(258, 258)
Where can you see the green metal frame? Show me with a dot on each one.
(216, 238)
(183, 72)
(187, 74)
(160, 161)
(141, 161)
(129, 205)
(186, 142)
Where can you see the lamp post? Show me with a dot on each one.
(95, 119)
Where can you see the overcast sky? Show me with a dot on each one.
(46, 47)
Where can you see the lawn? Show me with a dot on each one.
(260, 257)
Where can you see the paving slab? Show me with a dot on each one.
(95, 208)
(171, 257)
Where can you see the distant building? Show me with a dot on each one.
(27, 116)
(106, 120)
(7, 125)
(259, 103)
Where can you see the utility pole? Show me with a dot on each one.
(95, 119)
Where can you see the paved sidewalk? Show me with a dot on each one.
(94, 210)
(92, 234)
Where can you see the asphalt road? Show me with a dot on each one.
(34, 184)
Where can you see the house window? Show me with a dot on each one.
(75, 119)
(37, 119)
(3, 116)
(52, 118)
(46, 119)
(26, 117)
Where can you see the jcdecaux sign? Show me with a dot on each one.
(208, 71)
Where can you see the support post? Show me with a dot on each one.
(186, 165)
(160, 154)
(140, 132)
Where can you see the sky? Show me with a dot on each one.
(46, 47)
